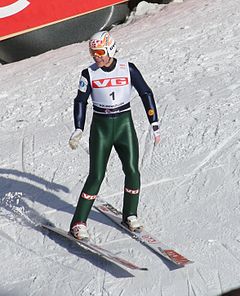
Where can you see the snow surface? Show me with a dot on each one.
(189, 54)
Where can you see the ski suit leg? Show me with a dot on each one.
(100, 145)
(126, 145)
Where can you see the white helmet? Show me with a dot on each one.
(102, 41)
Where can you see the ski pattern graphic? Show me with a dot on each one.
(144, 237)
(108, 255)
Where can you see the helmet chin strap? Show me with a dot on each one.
(109, 58)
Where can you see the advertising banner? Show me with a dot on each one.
(20, 16)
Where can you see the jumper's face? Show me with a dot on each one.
(100, 56)
(103, 61)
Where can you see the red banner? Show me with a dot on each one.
(20, 16)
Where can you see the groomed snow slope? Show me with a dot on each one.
(189, 54)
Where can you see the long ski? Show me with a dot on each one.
(108, 255)
(144, 237)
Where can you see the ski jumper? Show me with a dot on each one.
(112, 126)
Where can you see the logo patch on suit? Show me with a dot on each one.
(151, 112)
(83, 83)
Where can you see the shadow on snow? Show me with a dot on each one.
(18, 188)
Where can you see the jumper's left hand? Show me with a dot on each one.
(156, 132)
(157, 139)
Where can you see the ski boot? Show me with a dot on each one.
(133, 224)
(79, 231)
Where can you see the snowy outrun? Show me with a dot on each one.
(189, 54)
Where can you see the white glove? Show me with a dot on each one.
(75, 138)
(156, 132)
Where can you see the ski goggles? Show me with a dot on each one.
(99, 52)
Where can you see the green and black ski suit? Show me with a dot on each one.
(112, 126)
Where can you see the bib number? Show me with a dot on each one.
(112, 95)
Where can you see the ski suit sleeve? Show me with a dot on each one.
(144, 92)
(80, 102)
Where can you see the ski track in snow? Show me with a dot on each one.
(190, 192)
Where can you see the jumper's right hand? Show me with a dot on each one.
(75, 138)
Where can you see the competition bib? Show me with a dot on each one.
(110, 89)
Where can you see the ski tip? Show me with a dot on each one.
(183, 264)
(189, 262)
(144, 268)
(186, 262)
